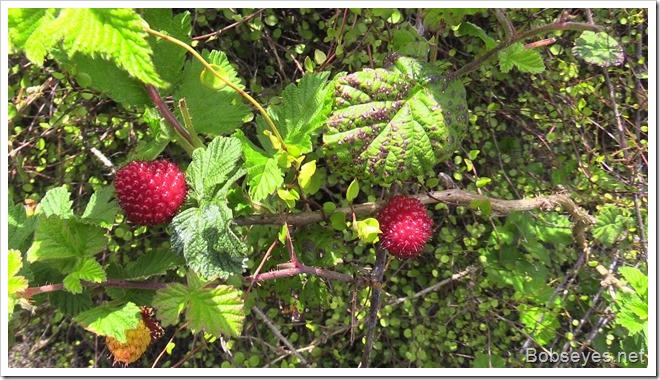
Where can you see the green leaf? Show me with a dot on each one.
(152, 263)
(218, 311)
(488, 360)
(483, 205)
(56, 202)
(483, 181)
(107, 78)
(306, 177)
(212, 111)
(116, 35)
(263, 172)
(636, 279)
(57, 238)
(540, 323)
(168, 58)
(368, 230)
(213, 166)
(87, 269)
(611, 224)
(15, 283)
(470, 29)
(25, 27)
(353, 190)
(526, 60)
(599, 49)
(69, 303)
(390, 125)
(438, 19)
(304, 109)
(206, 240)
(102, 208)
(19, 227)
(111, 320)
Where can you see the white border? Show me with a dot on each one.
(237, 372)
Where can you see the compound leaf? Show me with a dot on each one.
(56, 202)
(57, 238)
(102, 208)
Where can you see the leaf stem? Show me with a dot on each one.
(183, 137)
(222, 78)
(187, 123)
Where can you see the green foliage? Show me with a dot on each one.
(15, 283)
(218, 311)
(113, 34)
(389, 125)
(111, 320)
(526, 60)
(212, 111)
(599, 49)
(521, 138)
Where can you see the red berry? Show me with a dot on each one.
(150, 192)
(406, 227)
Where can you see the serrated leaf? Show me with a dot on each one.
(212, 166)
(111, 320)
(540, 323)
(610, 225)
(304, 109)
(102, 208)
(15, 283)
(69, 303)
(390, 125)
(263, 172)
(217, 311)
(152, 263)
(56, 202)
(19, 227)
(57, 238)
(113, 34)
(470, 29)
(107, 78)
(87, 269)
(636, 279)
(599, 49)
(25, 27)
(207, 242)
(168, 58)
(526, 60)
(212, 111)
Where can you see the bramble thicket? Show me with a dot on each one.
(327, 188)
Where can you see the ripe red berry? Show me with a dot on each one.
(405, 225)
(150, 192)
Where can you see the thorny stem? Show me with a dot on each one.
(222, 78)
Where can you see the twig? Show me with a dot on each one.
(256, 272)
(457, 276)
(110, 283)
(303, 269)
(170, 341)
(376, 291)
(455, 196)
(279, 335)
(509, 31)
(237, 23)
(560, 25)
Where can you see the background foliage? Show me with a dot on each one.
(529, 133)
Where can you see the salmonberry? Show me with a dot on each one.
(405, 225)
(137, 340)
(150, 192)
